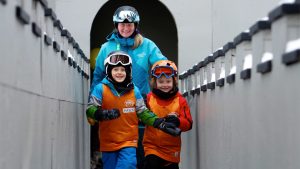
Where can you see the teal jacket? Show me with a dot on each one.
(143, 57)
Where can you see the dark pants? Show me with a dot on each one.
(155, 162)
(140, 149)
(96, 162)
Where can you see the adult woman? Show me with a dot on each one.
(126, 37)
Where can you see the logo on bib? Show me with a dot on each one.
(129, 110)
(129, 103)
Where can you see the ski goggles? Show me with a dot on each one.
(158, 71)
(129, 15)
(117, 58)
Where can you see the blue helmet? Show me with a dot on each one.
(126, 14)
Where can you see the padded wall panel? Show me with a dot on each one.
(20, 47)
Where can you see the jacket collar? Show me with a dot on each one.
(126, 42)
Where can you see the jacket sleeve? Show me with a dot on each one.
(147, 117)
(155, 53)
(143, 113)
(185, 118)
(99, 72)
(95, 101)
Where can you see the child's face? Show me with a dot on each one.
(118, 74)
(164, 84)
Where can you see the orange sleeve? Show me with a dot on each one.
(186, 121)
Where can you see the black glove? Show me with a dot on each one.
(173, 119)
(101, 115)
(166, 127)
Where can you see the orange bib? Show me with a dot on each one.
(156, 141)
(123, 131)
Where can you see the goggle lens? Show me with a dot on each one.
(129, 15)
(163, 70)
(115, 59)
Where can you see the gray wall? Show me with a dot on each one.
(43, 98)
(249, 122)
(206, 25)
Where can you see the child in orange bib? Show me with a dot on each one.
(162, 150)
